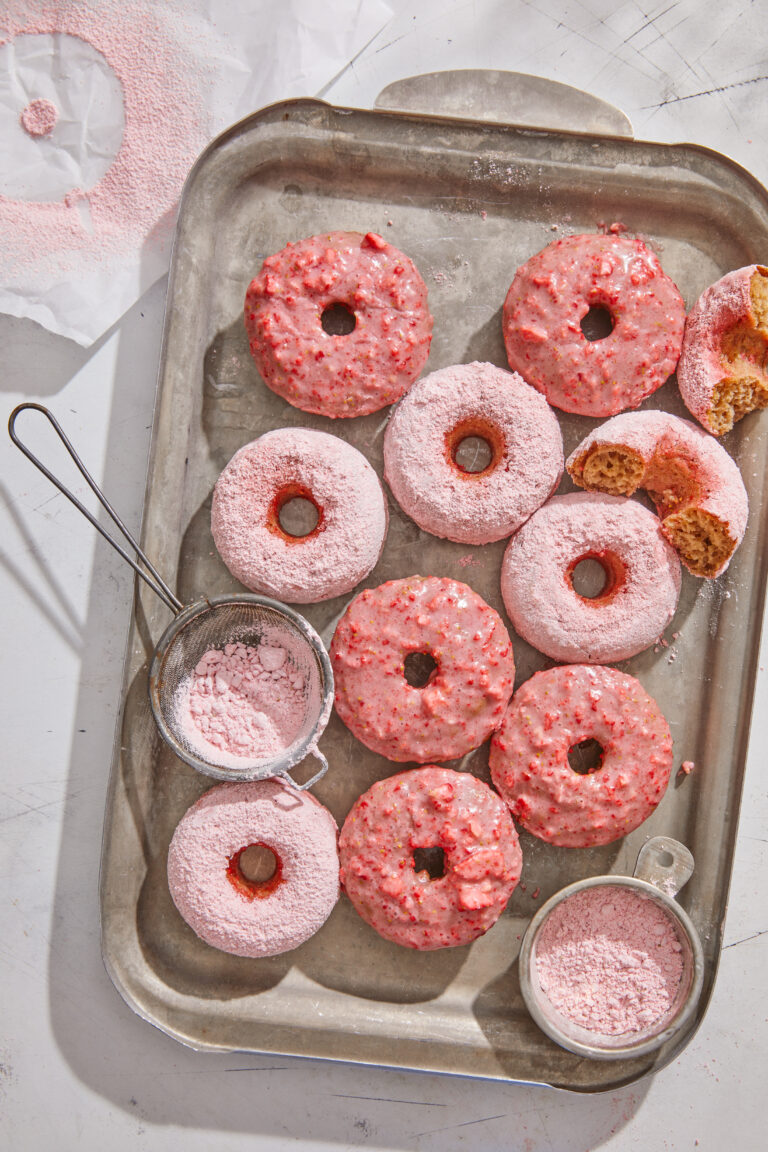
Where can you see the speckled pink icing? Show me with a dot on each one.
(429, 808)
(552, 293)
(551, 713)
(610, 960)
(720, 308)
(640, 596)
(659, 438)
(299, 462)
(226, 912)
(431, 420)
(336, 375)
(465, 698)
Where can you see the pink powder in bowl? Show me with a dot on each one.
(243, 704)
(610, 960)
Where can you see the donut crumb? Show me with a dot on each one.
(745, 356)
(701, 539)
(615, 470)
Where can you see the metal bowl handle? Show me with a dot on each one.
(317, 776)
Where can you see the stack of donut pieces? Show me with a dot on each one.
(339, 326)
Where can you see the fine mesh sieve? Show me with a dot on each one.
(213, 623)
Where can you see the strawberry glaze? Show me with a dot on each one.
(464, 699)
(218, 903)
(682, 467)
(352, 515)
(430, 421)
(429, 808)
(642, 569)
(550, 296)
(551, 713)
(339, 375)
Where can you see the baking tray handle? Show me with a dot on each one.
(506, 98)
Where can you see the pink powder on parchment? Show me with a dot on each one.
(39, 118)
(609, 959)
(243, 704)
(146, 45)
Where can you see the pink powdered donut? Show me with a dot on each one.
(553, 292)
(467, 689)
(553, 713)
(723, 369)
(696, 486)
(378, 289)
(642, 579)
(261, 478)
(430, 422)
(229, 911)
(429, 857)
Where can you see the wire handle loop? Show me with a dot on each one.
(151, 577)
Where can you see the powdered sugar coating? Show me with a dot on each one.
(610, 960)
(637, 602)
(557, 709)
(339, 375)
(429, 808)
(283, 464)
(440, 410)
(721, 309)
(465, 698)
(229, 818)
(682, 468)
(552, 293)
(39, 117)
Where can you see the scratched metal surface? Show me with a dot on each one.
(468, 202)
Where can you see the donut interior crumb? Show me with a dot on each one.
(745, 352)
(615, 470)
(701, 539)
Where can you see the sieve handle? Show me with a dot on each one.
(150, 577)
(317, 776)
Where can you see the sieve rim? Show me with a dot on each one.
(647, 1044)
(268, 769)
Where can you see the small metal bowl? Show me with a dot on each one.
(663, 867)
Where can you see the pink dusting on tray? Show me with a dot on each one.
(243, 704)
(39, 118)
(150, 49)
(610, 960)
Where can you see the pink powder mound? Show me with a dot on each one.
(243, 704)
(146, 45)
(224, 909)
(609, 959)
(39, 118)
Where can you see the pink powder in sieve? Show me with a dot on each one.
(39, 118)
(242, 704)
(610, 960)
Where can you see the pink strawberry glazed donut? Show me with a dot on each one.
(556, 714)
(723, 370)
(262, 478)
(429, 858)
(642, 579)
(696, 486)
(613, 277)
(432, 420)
(423, 669)
(231, 910)
(292, 313)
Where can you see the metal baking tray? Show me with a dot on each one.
(468, 200)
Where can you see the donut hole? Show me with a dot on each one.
(430, 860)
(474, 447)
(294, 514)
(255, 870)
(586, 757)
(596, 576)
(338, 319)
(597, 323)
(419, 669)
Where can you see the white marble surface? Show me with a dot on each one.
(77, 1068)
